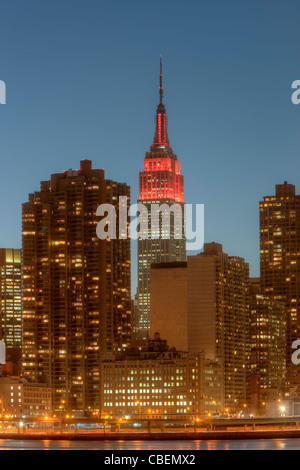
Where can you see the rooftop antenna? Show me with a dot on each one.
(161, 90)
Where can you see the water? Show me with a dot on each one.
(262, 444)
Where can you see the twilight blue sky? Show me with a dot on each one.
(82, 81)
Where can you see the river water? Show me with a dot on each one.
(263, 444)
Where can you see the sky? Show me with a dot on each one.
(82, 82)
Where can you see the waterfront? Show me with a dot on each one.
(260, 444)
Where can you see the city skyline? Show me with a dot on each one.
(150, 207)
(226, 111)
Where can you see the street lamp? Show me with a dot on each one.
(282, 409)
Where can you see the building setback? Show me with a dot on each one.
(161, 182)
(76, 288)
(215, 317)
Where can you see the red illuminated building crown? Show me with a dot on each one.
(161, 178)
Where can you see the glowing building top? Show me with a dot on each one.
(161, 178)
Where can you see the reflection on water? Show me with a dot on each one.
(263, 444)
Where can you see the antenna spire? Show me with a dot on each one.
(161, 140)
(161, 90)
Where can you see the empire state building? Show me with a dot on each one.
(161, 182)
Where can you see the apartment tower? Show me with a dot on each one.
(76, 287)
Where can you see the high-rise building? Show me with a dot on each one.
(161, 182)
(267, 366)
(10, 299)
(214, 317)
(280, 255)
(76, 287)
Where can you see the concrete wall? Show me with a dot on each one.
(168, 306)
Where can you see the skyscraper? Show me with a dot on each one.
(76, 288)
(161, 182)
(10, 298)
(206, 302)
(280, 255)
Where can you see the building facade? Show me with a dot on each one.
(22, 399)
(267, 340)
(213, 392)
(168, 311)
(76, 287)
(161, 182)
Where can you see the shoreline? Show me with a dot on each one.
(199, 436)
